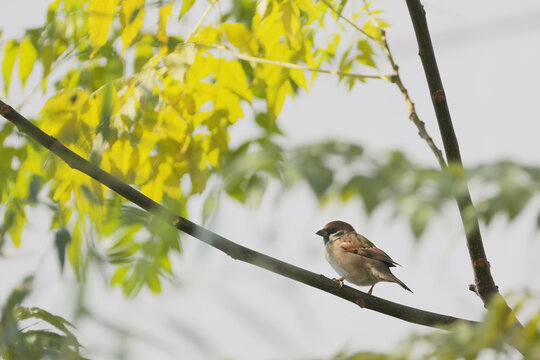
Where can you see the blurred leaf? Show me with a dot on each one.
(164, 13)
(75, 249)
(144, 50)
(101, 14)
(61, 241)
(14, 221)
(22, 342)
(16, 297)
(11, 50)
(27, 57)
(263, 120)
(186, 5)
(210, 206)
(131, 18)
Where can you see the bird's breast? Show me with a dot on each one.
(353, 267)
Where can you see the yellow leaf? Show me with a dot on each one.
(186, 5)
(121, 155)
(276, 98)
(14, 220)
(144, 50)
(310, 9)
(174, 126)
(101, 15)
(83, 198)
(131, 19)
(11, 49)
(120, 275)
(164, 13)
(154, 188)
(298, 77)
(233, 77)
(62, 189)
(89, 113)
(27, 57)
(153, 282)
(178, 62)
(240, 36)
(290, 19)
(207, 35)
(200, 69)
(66, 100)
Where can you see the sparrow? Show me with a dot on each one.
(355, 258)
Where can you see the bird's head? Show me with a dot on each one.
(334, 230)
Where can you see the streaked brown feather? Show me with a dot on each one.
(358, 244)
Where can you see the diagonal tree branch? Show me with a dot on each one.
(484, 284)
(230, 248)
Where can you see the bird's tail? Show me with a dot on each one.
(395, 279)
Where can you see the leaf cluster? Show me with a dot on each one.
(465, 341)
(343, 172)
(47, 336)
(154, 108)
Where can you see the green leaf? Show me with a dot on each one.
(11, 50)
(419, 221)
(14, 220)
(57, 321)
(61, 241)
(366, 53)
(75, 250)
(318, 176)
(263, 120)
(210, 206)
(17, 296)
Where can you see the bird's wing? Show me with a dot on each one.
(358, 244)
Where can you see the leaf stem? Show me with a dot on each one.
(284, 64)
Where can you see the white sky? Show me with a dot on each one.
(488, 54)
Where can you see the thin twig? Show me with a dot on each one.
(413, 115)
(396, 79)
(202, 18)
(230, 248)
(284, 64)
(340, 15)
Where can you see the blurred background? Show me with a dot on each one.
(488, 54)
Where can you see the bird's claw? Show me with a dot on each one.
(340, 281)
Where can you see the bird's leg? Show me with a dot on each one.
(371, 289)
(340, 281)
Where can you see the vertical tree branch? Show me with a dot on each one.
(484, 284)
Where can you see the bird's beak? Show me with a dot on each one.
(322, 233)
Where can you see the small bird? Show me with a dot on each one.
(355, 258)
